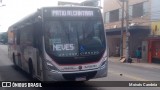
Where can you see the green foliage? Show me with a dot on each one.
(4, 37)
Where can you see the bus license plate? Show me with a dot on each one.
(81, 79)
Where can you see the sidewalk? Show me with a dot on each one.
(145, 65)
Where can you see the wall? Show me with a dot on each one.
(110, 5)
(155, 28)
(136, 39)
(115, 4)
(155, 10)
(113, 42)
(155, 17)
(144, 51)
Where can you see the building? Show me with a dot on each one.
(139, 24)
(144, 27)
(95, 3)
(62, 3)
(153, 41)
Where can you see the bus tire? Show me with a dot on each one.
(19, 60)
(14, 61)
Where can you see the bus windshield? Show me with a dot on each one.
(70, 38)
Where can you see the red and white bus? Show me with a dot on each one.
(60, 44)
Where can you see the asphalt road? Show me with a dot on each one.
(117, 72)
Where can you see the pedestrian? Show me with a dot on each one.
(138, 54)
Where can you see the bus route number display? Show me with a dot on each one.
(78, 13)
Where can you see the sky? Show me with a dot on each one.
(17, 9)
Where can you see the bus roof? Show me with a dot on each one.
(33, 15)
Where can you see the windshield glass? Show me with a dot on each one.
(74, 38)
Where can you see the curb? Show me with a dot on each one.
(145, 65)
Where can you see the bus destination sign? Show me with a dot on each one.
(75, 13)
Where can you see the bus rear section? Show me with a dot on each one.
(74, 43)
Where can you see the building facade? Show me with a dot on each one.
(139, 24)
(144, 27)
(153, 41)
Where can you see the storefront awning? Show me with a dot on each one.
(117, 31)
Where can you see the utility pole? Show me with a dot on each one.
(122, 27)
(127, 32)
(127, 27)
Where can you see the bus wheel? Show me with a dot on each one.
(19, 60)
(14, 61)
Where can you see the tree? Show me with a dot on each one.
(90, 3)
(4, 37)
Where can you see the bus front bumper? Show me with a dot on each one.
(73, 76)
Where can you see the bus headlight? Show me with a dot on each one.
(50, 66)
(104, 58)
(104, 62)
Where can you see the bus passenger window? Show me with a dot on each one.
(26, 37)
(17, 37)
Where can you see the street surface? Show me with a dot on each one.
(117, 72)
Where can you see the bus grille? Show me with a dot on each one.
(72, 77)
